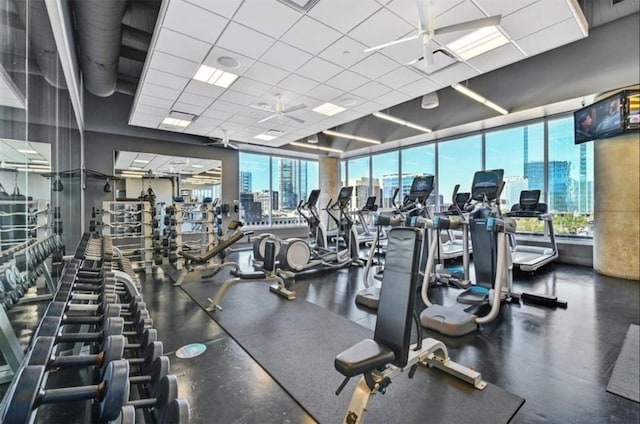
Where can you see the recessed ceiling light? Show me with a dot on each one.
(28, 152)
(214, 76)
(228, 62)
(265, 137)
(197, 166)
(329, 109)
(478, 42)
(141, 161)
(173, 122)
(314, 147)
(351, 137)
(401, 122)
(46, 162)
(348, 101)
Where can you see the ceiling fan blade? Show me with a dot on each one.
(293, 118)
(476, 23)
(264, 109)
(423, 14)
(294, 108)
(427, 52)
(268, 118)
(391, 43)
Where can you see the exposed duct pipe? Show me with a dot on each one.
(135, 38)
(41, 39)
(142, 15)
(99, 36)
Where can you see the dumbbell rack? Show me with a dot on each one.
(128, 371)
(36, 221)
(119, 218)
(202, 214)
(20, 268)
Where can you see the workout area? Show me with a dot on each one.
(319, 211)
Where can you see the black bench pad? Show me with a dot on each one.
(365, 356)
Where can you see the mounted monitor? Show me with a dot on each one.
(486, 184)
(608, 117)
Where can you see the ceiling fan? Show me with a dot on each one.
(279, 111)
(427, 30)
(224, 140)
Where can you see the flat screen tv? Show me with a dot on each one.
(608, 117)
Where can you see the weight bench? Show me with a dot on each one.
(389, 353)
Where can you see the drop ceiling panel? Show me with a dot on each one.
(533, 18)
(172, 64)
(225, 106)
(193, 21)
(345, 52)
(269, 17)
(381, 27)
(375, 66)
(189, 108)
(266, 73)
(319, 69)
(420, 87)
(216, 114)
(152, 109)
(347, 81)
(343, 15)
(167, 80)
(160, 91)
(324, 92)
(297, 83)
(224, 8)
(399, 77)
(182, 46)
(236, 97)
(203, 89)
(405, 52)
(248, 86)
(243, 40)
(322, 35)
(371, 90)
(285, 57)
(454, 73)
(501, 7)
(497, 58)
(144, 99)
(244, 62)
(554, 36)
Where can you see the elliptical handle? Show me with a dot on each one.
(453, 199)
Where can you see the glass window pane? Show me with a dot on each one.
(570, 171)
(458, 161)
(254, 189)
(385, 177)
(308, 178)
(520, 152)
(358, 178)
(416, 161)
(343, 173)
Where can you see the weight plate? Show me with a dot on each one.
(152, 352)
(177, 412)
(149, 336)
(113, 349)
(25, 392)
(113, 327)
(128, 415)
(41, 351)
(158, 370)
(115, 392)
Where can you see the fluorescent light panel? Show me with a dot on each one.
(478, 98)
(478, 42)
(197, 166)
(214, 76)
(176, 122)
(28, 152)
(351, 137)
(46, 162)
(141, 161)
(315, 147)
(265, 137)
(401, 122)
(329, 109)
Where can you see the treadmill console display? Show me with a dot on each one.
(529, 199)
(345, 195)
(313, 198)
(421, 188)
(486, 183)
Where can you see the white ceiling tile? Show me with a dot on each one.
(453, 74)
(285, 57)
(166, 80)
(160, 91)
(347, 81)
(497, 58)
(248, 86)
(371, 90)
(145, 99)
(196, 130)
(225, 106)
(193, 21)
(407, 10)
(501, 7)
(461, 12)
(205, 120)
(345, 52)
(172, 64)
(239, 119)
(204, 89)
(152, 109)
(297, 83)
(368, 107)
(535, 17)
(343, 15)
(269, 17)
(188, 108)
(318, 69)
(393, 98)
(375, 66)
(218, 52)
(324, 92)
(266, 73)
(420, 87)
(182, 46)
(194, 99)
(243, 40)
(236, 97)
(405, 52)
(224, 8)
(551, 37)
(310, 102)
(215, 115)
(310, 35)
(271, 96)
(151, 117)
(380, 28)
(399, 77)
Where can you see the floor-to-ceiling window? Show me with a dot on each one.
(417, 161)
(570, 173)
(458, 160)
(358, 171)
(384, 177)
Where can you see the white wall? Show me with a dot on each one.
(161, 187)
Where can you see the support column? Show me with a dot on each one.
(616, 227)
(330, 181)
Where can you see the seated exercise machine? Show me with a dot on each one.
(413, 205)
(389, 353)
(530, 258)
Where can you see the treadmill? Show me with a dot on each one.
(530, 258)
(365, 233)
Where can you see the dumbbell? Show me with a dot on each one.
(59, 309)
(108, 397)
(41, 353)
(177, 412)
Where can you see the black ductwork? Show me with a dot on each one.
(99, 36)
(41, 39)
